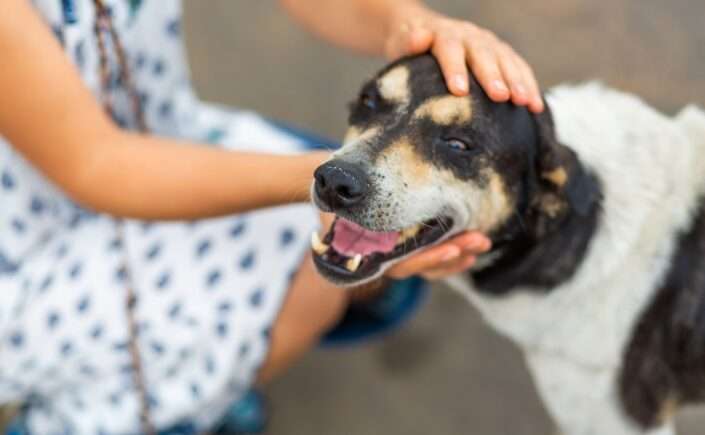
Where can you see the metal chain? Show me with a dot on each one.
(103, 26)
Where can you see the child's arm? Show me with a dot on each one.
(54, 121)
(403, 27)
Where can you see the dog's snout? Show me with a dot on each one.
(340, 184)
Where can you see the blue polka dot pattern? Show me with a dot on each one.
(66, 348)
(6, 266)
(166, 109)
(96, 332)
(61, 251)
(157, 347)
(121, 346)
(215, 135)
(203, 247)
(209, 364)
(36, 206)
(158, 67)
(287, 237)
(213, 278)
(244, 350)
(7, 181)
(257, 297)
(173, 28)
(121, 274)
(18, 225)
(154, 251)
(195, 390)
(174, 310)
(87, 370)
(58, 34)
(80, 55)
(17, 339)
(83, 304)
(225, 307)
(221, 329)
(53, 320)
(75, 271)
(163, 280)
(248, 260)
(238, 229)
(140, 60)
(46, 283)
(114, 245)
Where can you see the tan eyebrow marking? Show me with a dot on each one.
(446, 110)
(355, 134)
(394, 85)
(401, 157)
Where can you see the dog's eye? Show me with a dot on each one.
(456, 144)
(369, 101)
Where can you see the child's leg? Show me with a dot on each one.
(312, 307)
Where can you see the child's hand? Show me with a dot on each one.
(449, 258)
(458, 44)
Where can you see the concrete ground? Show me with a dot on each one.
(446, 373)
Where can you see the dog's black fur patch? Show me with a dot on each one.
(664, 364)
(541, 249)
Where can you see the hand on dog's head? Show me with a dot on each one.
(415, 155)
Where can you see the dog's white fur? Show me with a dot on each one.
(652, 170)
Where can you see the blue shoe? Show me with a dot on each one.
(249, 415)
(371, 320)
(16, 427)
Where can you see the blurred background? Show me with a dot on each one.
(445, 372)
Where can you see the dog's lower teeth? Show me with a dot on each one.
(354, 263)
(317, 245)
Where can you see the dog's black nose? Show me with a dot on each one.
(340, 184)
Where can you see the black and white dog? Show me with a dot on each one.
(597, 213)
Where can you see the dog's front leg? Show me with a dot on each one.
(583, 400)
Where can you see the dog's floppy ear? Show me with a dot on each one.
(563, 178)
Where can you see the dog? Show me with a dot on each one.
(596, 210)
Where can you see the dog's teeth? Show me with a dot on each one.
(353, 263)
(317, 245)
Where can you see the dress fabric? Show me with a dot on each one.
(208, 291)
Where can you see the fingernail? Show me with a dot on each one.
(451, 254)
(520, 90)
(460, 83)
(500, 86)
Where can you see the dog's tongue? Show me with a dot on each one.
(351, 239)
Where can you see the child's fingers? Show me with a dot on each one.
(536, 104)
(424, 261)
(451, 57)
(461, 265)
(514, 77)
(410, 39)
(483, 60)
(441, 256)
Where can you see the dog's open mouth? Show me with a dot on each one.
(350, 253)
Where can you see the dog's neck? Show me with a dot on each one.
(519, 259)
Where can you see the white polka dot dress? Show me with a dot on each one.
(207, 291)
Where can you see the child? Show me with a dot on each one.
(168, 316)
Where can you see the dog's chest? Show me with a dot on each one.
(584, 322)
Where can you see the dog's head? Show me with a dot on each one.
(419, 165)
